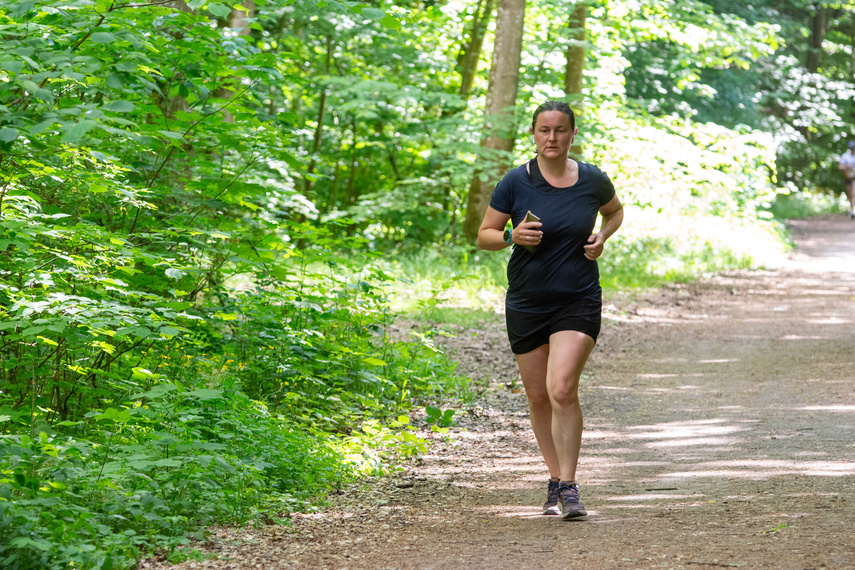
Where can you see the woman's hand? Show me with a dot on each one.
(492, 230)
(527, 233)
(594, 249)
(612, 214)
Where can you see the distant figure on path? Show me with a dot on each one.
(554, 302)
(847, 165)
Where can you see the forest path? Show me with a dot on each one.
(720, 432)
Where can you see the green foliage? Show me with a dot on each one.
(189, 349)
(192, 308)
(807, 204)
(167, 463)
(438, 418)
(650, 262)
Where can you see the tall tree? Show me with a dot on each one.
(819, 21)
(470, 54)
(499, 123)
(576, 64)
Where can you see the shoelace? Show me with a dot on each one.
(552, 492)
(569, 493)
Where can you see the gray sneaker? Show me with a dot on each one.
(571, 505)
(550, 507)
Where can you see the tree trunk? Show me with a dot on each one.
(316, 144)
(319, 128)
(499, 122)
(818, 29)
(471, 54)
(576, 65)
(240, 18)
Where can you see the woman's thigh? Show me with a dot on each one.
(568, 353)
(533, 368)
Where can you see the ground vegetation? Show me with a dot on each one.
(213, 215)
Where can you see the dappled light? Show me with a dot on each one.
(245, 320)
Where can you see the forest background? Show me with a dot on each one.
(212, 216)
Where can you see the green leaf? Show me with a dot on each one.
(141, 373)
(114, 415)
(12, 66)
(102, 38)
(373, 13)
(167, 463)
(219, 10)
(373, 361)
(76, 131)
(174, 273)
(172, 135)
(205, 394)
(120, 106)
(8, 135)
(23, 7)
(156, 392)
(194, 4)
(114, 81)
(224, 464)
(390, 23)
(24, 542)
(32, 331)
(141, 332)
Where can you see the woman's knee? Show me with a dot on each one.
(564, 393)
(539, 401)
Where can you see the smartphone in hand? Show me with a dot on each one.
(529, 217)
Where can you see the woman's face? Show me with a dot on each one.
(552, 134)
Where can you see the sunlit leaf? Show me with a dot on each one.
(102, 38)
(219, 10)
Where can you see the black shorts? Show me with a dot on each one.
(527, 331)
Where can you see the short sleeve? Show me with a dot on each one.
(605, 189)
(502, 199)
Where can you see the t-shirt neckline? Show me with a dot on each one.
(535, 176)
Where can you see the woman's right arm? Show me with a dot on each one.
(491, 233)
(492, 230)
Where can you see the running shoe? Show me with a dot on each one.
(550, 507)
(571, 505)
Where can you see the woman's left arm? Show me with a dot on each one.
(612, 214)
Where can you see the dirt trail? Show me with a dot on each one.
(720, 432)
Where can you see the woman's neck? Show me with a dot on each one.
(554, 167)
(559, 172)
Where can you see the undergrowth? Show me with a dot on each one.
(239, 409)
(805, 204)
(457, 286)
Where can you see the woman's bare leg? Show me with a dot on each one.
(533, 371)
(568, 353)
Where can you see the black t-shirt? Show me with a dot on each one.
(557, 273)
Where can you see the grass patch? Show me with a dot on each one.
(463, 317)
(651, 262)
(799, 205)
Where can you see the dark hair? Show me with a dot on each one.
(554, 106)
